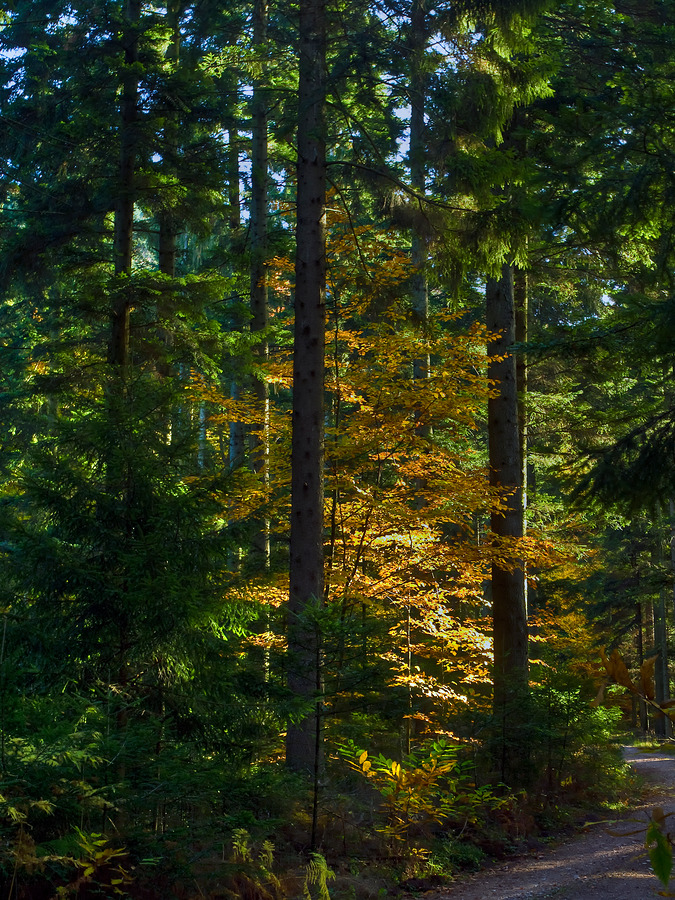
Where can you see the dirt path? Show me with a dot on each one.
(591, 866)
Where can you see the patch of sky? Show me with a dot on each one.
(403, 113)
(62, 22)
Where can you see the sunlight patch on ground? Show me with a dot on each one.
(636, 761)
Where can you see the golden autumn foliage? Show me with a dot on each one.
(403, 512)
(431, 785)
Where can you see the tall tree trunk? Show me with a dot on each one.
(671, 541)
(662, 724)
(118, 348)
(167, 219)
(233, 191)
(639, 619)
(650, 645)
(418, 161)
(661, 675)
(236, 442)
(418, 253)
(307, 446)
(168, 227)
(259, 279)
(521, 300)
(118, 475)
(508, 591)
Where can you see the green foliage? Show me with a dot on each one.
(241, 849)
(454, 855)
(430, 784)
(142, 669)
(101, 868)
(660, 848)
(251, 872)
(571, 740)
(318, 873)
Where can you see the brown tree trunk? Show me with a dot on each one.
(167, 220)
(641, 658)
(508, 591)
(233, 192)
(259, 281)
(118, 351)
(307, 447)
(521, 300)
(420, 288)
(650, 644)
(419, 243)
(168, 226)
(236, 438)
(117, 474)
(671, 542)
(662, 725)
(661, 674)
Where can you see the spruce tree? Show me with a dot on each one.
(307, 454)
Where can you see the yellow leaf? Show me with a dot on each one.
(363, 757)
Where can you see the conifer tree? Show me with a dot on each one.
(260, 270)
(306, 587)
(509, 611)
(495, 236)
(114, 542)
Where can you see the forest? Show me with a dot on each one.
(337, 474)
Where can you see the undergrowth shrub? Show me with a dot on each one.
(574, 753)
(565, 745)
(431, 785)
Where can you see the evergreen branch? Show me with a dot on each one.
(406, 188)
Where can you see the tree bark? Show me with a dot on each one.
(420, 288)
(118, 348)
(419, 243)
(508, 590)
(233, 192)
(661, 675)
(671, 542)
(307, 446)
(118, 475)
(259, 280)
(521, 300)
(167, 222)
(641, 658)
(236, 441)
(662, 725)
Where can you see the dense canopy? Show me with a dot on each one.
(337, 459)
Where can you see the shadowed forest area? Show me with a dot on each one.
(337, 474)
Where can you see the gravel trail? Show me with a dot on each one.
(591, 866)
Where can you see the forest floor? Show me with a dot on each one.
(605, 862)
